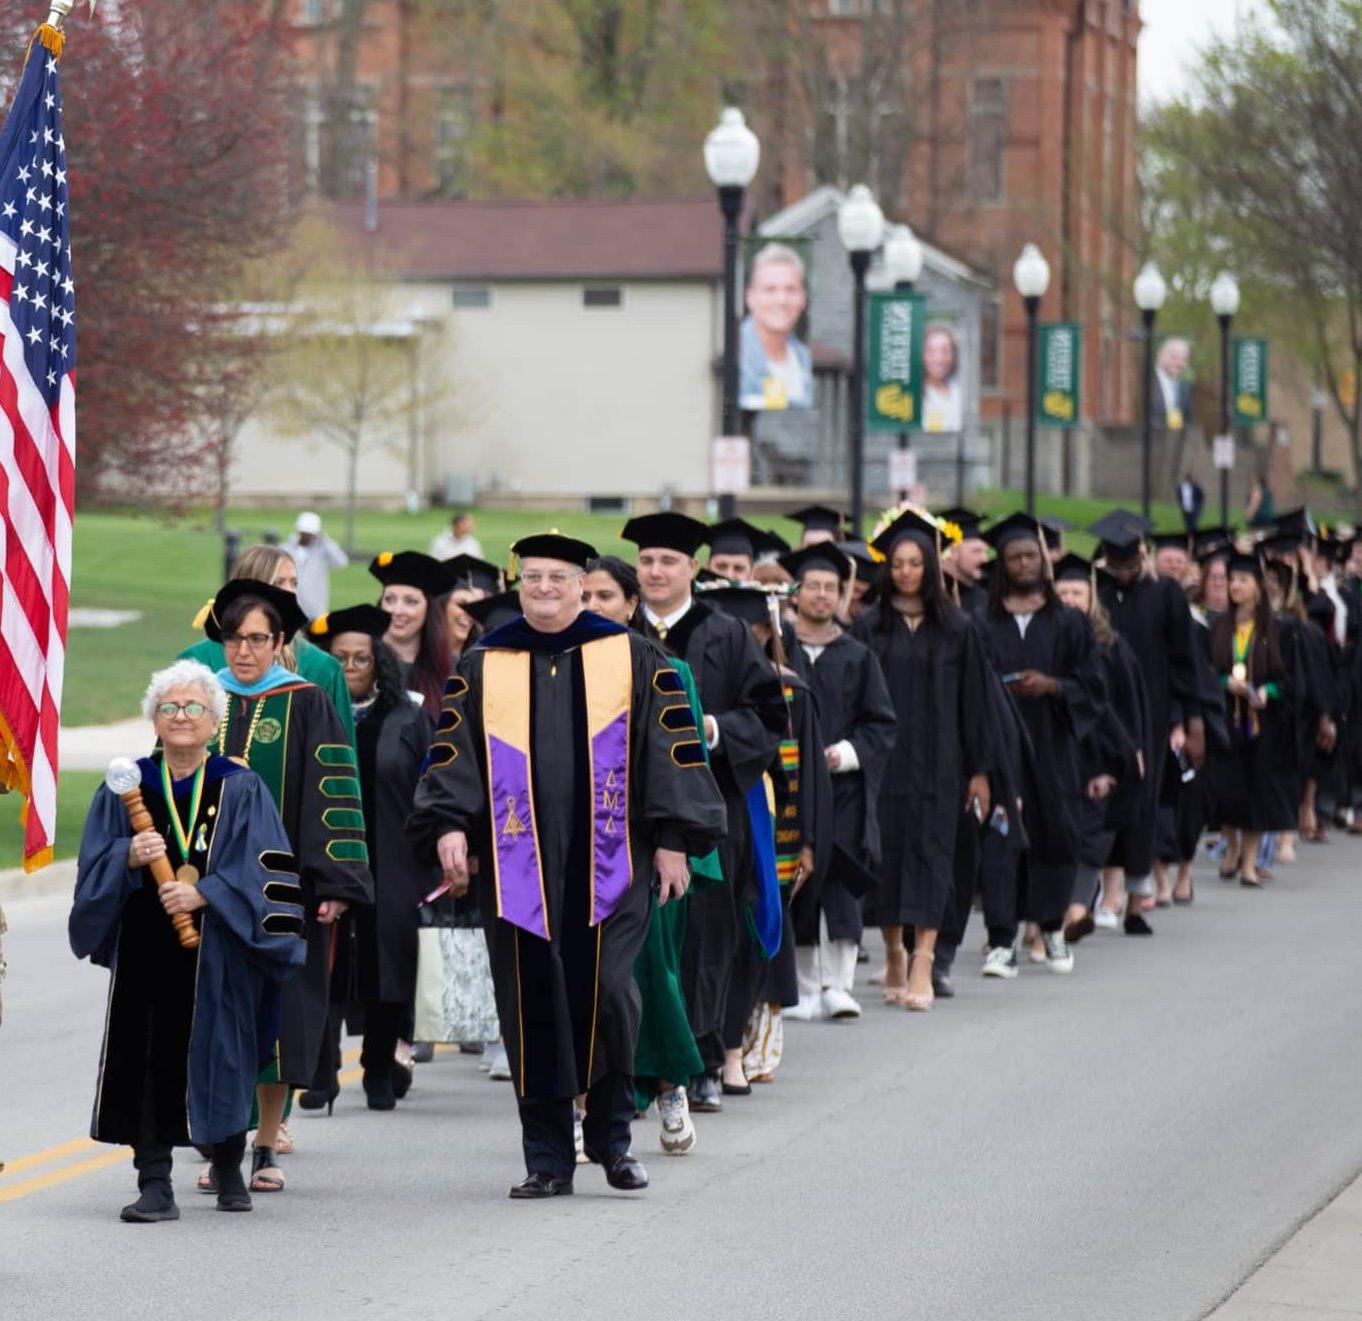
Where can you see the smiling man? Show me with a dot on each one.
(567, 760)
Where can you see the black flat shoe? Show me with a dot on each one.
(1135, 925)
(534, 1186)
(316, 1099)
(1252, 882)
(1183, 900)
(942, 988)
(1078, 928)
(422, 1052)
(380, 1093)
(704, 1096)
(732, 1089)
(622, 1172)
(1228, 873)
(471, 1047)
(154, 1204)
(402, 1078)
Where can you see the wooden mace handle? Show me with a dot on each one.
(140, 819)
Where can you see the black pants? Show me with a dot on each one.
(153, 1160)
(546, 1126)
(383, 1022)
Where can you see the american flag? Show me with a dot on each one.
(37, 442)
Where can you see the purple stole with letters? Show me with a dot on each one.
(607, 671)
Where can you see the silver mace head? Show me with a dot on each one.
(123, 776)
(59, 9)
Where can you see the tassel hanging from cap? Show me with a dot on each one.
(201, 618)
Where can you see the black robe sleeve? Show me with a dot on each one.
(450, 794)
(749, 732)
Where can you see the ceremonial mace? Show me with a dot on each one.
(124, 779)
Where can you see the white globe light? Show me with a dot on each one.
(732, 152)
(860, 222)
(1150, 289)
(1031, 272)
(902, 255)
(1224, 294)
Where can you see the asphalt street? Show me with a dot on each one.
(1129, 1142)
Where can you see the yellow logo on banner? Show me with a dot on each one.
(894, 401)
(1249, 405)
(1058, 404)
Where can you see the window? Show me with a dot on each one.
(453, 126)
(607, 504)
(312, 13)
(990, 345)
(605, 296)
(472, 296)
(987, 138)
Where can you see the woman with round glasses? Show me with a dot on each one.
(286, 730)
(181, 1047)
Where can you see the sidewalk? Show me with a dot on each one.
(1315, 1276)
(93, 747)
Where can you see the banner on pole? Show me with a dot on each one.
(1248, 377)
(1059, 374)
(893, 399)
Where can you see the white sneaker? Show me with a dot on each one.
(838, 1004)
(1001, 961)
(1058, 956)
(578, 1140)
(500, 1068)
(678, 1131)
(1105, 920)
(808, 1010)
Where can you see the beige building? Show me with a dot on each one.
(561, 352)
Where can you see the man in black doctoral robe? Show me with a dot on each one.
(744, 715)
(1046, 655)
(858, 727)
(566, 752)
(1152, 615)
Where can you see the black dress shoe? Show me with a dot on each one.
(942, 988)
(623, 1172)
(1079, 928)
(535, 1186)
(155, 1203)
(704, 1096)
(734, 1089)
(1136, 926)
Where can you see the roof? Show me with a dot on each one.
(542, 240)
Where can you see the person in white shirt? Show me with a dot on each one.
(315, 555)
(456, 539)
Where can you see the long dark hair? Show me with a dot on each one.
(1265, 652)
(936, 605)
(391, 691)
(433, 662)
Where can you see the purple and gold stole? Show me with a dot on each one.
(607, 671)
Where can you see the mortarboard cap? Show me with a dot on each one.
(493, 611)
(1053, 530)
(969, 521)
(1073, 567)
(750, 604)
(1012, 528)
(666, 531)
(470, 571)
(908, 524)
(285, 603)
(1171, 540)
(368, 619)
(1242, 563)
(410, 568)
(1297, 522)
(1120, 532)
(818, 518)
(554, 546)
(821, 555)
(736, 536)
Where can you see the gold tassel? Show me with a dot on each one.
(51, 39)
(201, 618)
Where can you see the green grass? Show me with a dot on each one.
(75, 789)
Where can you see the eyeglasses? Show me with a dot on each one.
(255, 641)
(554, 578)
(193, 710)
(359, 661)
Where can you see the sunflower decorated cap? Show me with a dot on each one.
(908, 521)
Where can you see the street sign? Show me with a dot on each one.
(902, 470)
(1059, 374)
(1248, 379)
(1222, 452)
(893, 397)
(730, 465)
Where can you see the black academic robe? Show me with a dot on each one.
(937, 681)
(186, 1030)
(569, 1005)
(1110, 748)
(854, 706)
(293, 739)
(738, 688)
(391, 744)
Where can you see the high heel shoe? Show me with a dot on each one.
(895, 967)
(919, 1002)
(315, 1098)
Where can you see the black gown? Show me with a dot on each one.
(1058, 642)
(569, 1005)
(1110, 748)
(737, 686)
(853, 705)
(937, 681)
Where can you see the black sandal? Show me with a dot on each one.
(266, 1176)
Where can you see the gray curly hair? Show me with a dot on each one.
(185, 673)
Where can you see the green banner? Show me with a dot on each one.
(1059, 374)
(1248, 379)
(893, 400)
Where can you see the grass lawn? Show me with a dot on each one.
(75, 789)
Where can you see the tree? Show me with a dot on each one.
(1260, 171)
(175, 120)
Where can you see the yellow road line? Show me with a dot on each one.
(52, 1153)
(119, 1155)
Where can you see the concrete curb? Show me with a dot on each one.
(57, 878)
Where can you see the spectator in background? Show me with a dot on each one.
(1260, 509)
(457, 539)
(1191, 501)
(314, 555)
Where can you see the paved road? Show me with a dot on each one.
(1131, 1142)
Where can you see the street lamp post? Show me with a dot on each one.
(732, 154)
(1225, 303)
(860, 226)
(903, 258)
(1031, 275)
(1150, 291)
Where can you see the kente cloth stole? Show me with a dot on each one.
(789, 828)
(518, 869)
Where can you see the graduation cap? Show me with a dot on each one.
(821, 555)
(969, 521)
(749, 603)
(367, 619)
(1277, 543)
(493, 611)
(554, 546)
(1171, 540)
(1119, 532)
(1208, 539)
(818, 518)
(470, 571)
(908, 524)
(410, 568)
(1053, 530)
(1216, 550)
(1297, 522)
(736, 536)
(285, 604)
(1239, 562)
(1073, 568)
(1013, 528)
(666, 531)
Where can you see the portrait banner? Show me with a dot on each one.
(1059, 374)
(893, 399)
(775, 361)
(1248, 377)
